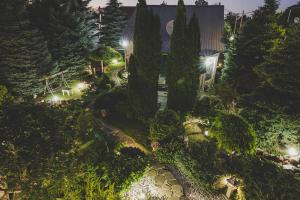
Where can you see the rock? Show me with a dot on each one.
(152, 173)
(172, 182)
(294, 162)
(169, 176)
(177, 190)
(159, 180)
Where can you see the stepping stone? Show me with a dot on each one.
(177, 190)
(159, 180)
(169, 176)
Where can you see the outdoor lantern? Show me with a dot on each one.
(124, 43)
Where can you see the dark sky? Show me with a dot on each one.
(233, 5)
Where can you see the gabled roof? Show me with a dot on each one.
(211, 22)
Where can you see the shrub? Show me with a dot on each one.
(207, 106)
(165, 126)
(233, 133)
(104, 53)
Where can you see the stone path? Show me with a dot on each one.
(158, 183)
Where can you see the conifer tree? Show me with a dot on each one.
(281, 69)
(257, 38)
(113, 22)
(182, 72)
(144, 63)
(61, 29)
(24, 55)
(176, 61)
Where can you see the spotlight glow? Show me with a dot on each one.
(206, 133)
(292, 151)
(124, 43)
(55, 99)
(231, 38)
(115, 61)
(81, 86)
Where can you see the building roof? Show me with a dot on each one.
(211, 22)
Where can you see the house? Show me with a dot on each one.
(211, 22)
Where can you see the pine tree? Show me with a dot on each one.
(113, 22)
(182, 72)
(61, 29)
(24, 55)
(257, 38)
(281, 69)
(144, 63)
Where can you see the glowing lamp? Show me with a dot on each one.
(81, 86)
(124, 43)
(231, 38)
(206, 133)
(292, 151)
(55, 99)
(115, 61)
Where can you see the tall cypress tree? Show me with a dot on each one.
(24, 52)
(182, 72)
(257, 38)
(144, 63)
(177, 61)
(192, 74)
(113, 22)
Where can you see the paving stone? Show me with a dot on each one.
(159, 180)
(177, 190)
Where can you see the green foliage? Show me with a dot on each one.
(24, 54)
(259, 36)
(233, 133)
(105, 54)
(4, 96)
(144, 63)
(265, 180)
(166, 126)
(113, 22)
(182, 71)
(281, 68)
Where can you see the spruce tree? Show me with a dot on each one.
(113, 22)
(182, 72)
(61, 29)
(281, 69)
(144, 63)
(24, 55)
(257, 38)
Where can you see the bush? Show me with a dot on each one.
(233, 133)
(207, 106)
(165, 126)
(104, 53)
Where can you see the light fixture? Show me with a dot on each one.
(206, 133)
(115, 61)
(81, 86)
(292, 151)
(55, 99)
(208, 61)
(124, 43)
(231, 38)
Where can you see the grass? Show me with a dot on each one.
(77, 94)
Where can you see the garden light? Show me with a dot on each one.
(231, 38)
(55, 99)
(81, 86)
(124, 43)
(292, 151)
(115, 61)
(206, 133)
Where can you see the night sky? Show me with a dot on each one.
(232, 5)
